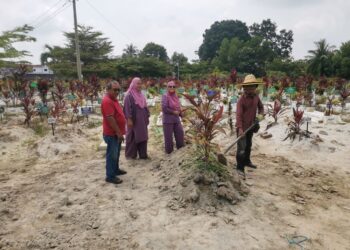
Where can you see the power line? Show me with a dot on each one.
(107, 20)
(53, 15)
(47, 12)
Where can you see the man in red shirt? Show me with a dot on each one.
(247, 106)
(113, 131)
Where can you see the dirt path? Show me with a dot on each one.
(62, 202)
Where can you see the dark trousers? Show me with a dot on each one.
(244, 147)
(112, 156)
(132, 149)
(169, 130)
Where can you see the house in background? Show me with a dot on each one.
(6, 72)
(40, 71)
(37, 71)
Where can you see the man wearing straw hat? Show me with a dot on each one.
(247, 106)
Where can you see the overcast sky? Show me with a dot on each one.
(178, 25)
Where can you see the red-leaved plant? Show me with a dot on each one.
(43, 88)
(94, 88)
(294, 127)
(205, 124)
(58, 92)
(275, 111)
(267, 84)
(75, 107)
(28, 103)
(233, 76)
(344, 94)
(329, 108)
(323, 84)
(19, 83)
(59, 107)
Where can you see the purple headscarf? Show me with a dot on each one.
(139, 98)
(173, 99)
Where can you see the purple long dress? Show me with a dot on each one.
(171, 126)
(137, 136)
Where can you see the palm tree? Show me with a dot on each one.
(130, 51)
(320, 58)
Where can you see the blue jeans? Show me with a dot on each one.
(112, 156)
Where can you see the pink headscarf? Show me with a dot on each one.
(173, 99)
(139, 98)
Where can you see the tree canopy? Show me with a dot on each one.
(320, 59)
(261, 49)
(341, 60)
(9, 38)
(178, 58)
(142, 66)
(94, 50)
(246, 56)
(213, 37)
(280, 43)
(155, 50)
(130, 51)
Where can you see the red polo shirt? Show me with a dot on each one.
(111, 107)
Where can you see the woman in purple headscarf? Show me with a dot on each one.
(137, 115)
(171, 119)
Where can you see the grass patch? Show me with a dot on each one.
(210, 166)
(39, 128)
(157, 132)
(156, 109)
(28, 142)
(94, 124)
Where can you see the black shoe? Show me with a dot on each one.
(251, 165)
(145, 158)
(121, 172)
(116, 180)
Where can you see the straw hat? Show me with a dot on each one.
(250, 80)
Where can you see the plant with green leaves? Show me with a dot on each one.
(9, 38)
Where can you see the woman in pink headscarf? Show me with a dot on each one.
(137, 115)
(171, 119)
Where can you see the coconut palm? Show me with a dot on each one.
(320, 58)
(130, 51)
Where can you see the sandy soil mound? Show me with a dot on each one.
(195, 189)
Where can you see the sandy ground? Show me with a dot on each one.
(53, 195)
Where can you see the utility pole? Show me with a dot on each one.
(178, 70)
(77, 50)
